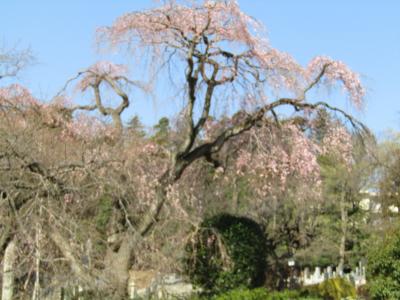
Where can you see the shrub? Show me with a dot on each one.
(261, 294)
(237, 294)
(289, 295)
(227, 252)
(383, 269)
(332, 289)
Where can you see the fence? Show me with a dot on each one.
(357, 276)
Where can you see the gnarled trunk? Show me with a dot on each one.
(118, 264)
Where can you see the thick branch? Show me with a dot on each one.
(64, 246)
(210, 148)
(115, 113)
(113, 82)
(191, 79)
(125, 99)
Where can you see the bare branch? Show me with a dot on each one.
(12, 61)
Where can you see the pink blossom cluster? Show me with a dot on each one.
(99, 70)
(303, 156)
(17, 95)
(337, 142)
(87, 127)
(147, 166)
(173, 23)
(338, 71)
(281, 68)
(289, 155)
(219, 26)
(52, 112)
(27, 109)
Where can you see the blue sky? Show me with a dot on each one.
(363, 33)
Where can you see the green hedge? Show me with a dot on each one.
(227, 252)
(237, 294)
(331, 289)
(262, 294)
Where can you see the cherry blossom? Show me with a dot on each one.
(219, 30)
(290, 155)
(338, 142)
(101, 69)
(87, 127)
(17, 95)
(338, 71)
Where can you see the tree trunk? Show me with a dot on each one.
(118, 264)
(8, 271)
(343, 224)
(118, 259)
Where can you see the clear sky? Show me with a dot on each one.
(363, 33)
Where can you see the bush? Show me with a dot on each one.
(237, 294)
(289, 295)
(261, 294)
(384, 268)
(332, 289)
(227, 252)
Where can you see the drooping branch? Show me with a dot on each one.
(216, 145)
(208, 149)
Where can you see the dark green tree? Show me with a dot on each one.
(161, 131)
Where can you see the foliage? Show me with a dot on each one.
(227, 252)
(243, 294)
(262, 294)
(258, 294)
(341, 226)
(384, 268)
(161, 131)
(332, 289)
(136, 127)
(104, 211)
(389, 184)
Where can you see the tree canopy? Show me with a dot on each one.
(65, 164)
